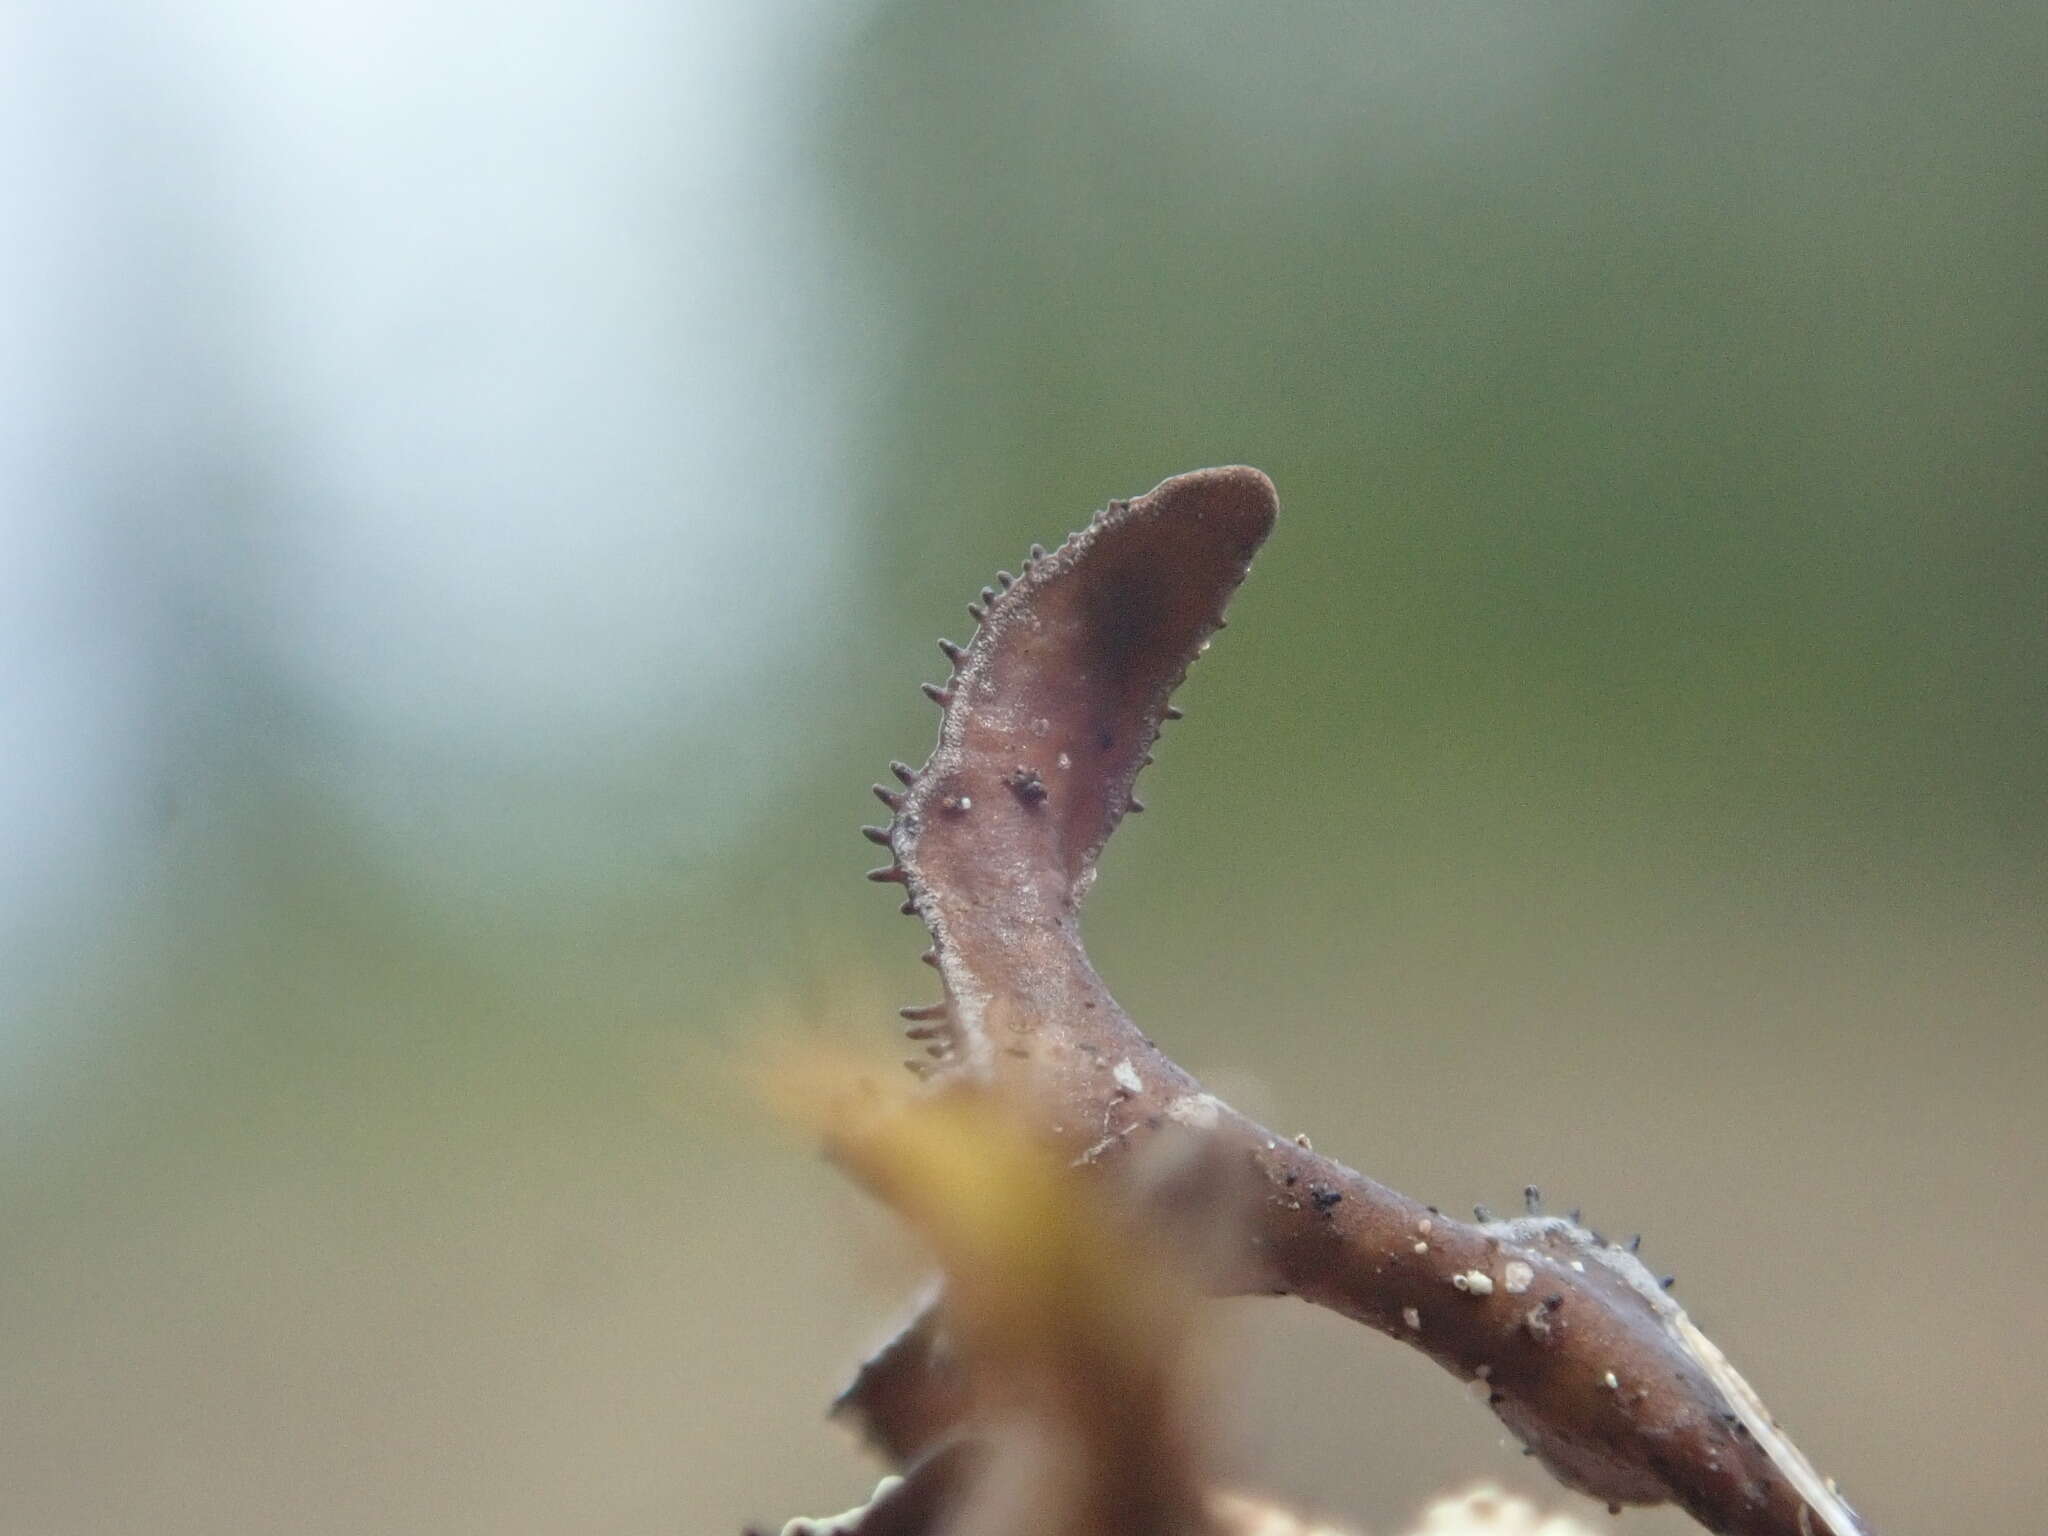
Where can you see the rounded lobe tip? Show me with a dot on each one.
(1235, 494)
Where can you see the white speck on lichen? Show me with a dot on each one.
(1413, 1319)
(1127, 1077)
(1422, 1247)
(1301, 1140)
(1474, 1282)
(1518, 1277)
(1579, 1265)
(1197, 1111)
(1611, 1382)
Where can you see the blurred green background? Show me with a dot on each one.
(483, 488)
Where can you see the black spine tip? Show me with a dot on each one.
(1482, 1212)
(1038, 552)
(1175, 713)
(888, 874)
(950, 651)
(931, 958)
(879, 836)
(939, 696)
(909, 907)
(905, 774)
(1668, 1281)
(918, 1012)
(975, 612)
(1532, 1199)
(887, 796)
(1635, 1244)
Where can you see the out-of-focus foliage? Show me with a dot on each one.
(1069, 1313)
(482, 493)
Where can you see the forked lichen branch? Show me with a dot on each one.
(1049, 715)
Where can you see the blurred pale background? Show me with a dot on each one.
(480, 485)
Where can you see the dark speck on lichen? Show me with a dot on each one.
(1026, 785)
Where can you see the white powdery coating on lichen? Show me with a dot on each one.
(1552, 1233)
(1127, 1077)
(1787, 1457)
(1474, 1282)
(841, 1525)
(1196, 1111)
(1517, 1277)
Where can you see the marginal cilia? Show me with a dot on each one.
(1049, 713)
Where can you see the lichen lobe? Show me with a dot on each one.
(1050, 714)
